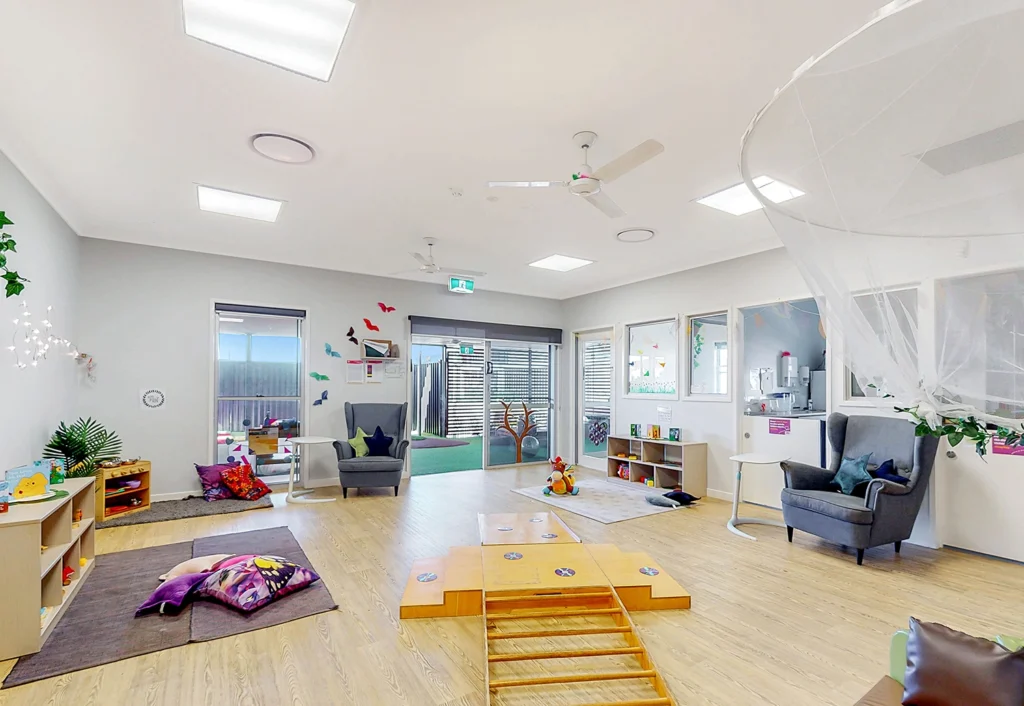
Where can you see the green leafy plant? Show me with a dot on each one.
(961, 428)
(83, 445)
(14, 283)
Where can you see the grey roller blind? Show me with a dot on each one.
(454, 328)
(222, 308)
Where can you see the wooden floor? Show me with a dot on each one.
(771, 623)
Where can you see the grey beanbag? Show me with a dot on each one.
(661, 501)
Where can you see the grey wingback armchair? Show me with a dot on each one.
(887, 512)
(373, 471)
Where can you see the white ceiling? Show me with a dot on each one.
(115, 114)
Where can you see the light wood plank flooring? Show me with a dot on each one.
(772, 623)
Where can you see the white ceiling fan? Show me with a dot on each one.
(587, 182)
(429, 267)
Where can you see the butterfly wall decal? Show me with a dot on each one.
(352, 335)
(319, 377)
(330, 351)
(655, 346)
(371, 326)
(323, 398)
(385, 308)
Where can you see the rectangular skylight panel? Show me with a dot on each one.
(561, 263)
(739, 200)
(231, 203)
(303, 36)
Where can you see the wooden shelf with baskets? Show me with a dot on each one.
(108, 495)
(667, 463)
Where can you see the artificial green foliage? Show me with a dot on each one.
(82, 446)
(14, 284)
(698, 343)
(969, 428)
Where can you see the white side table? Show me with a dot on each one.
(765, 459)
(295, 496)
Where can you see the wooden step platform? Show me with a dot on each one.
(525, 528)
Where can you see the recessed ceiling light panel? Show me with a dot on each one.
(635, 235)
(303, 36)
(231, 203)
(739, 200)
(282, 148)
(561, 263)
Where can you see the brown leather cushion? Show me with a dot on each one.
(950, 668)
(887, 692)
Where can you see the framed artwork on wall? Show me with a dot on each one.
(652, 359)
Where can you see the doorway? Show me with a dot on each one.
(593, 405)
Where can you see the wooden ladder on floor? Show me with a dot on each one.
(600, 602)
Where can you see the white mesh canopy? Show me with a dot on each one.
(906, 140)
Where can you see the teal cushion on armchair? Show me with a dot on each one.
(852, 471)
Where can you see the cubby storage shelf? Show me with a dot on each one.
(667, 463)
(34, 595)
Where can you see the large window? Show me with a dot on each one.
(259, 388)
(709, 354)
(897, 311)
(520, 376)
(652, 359)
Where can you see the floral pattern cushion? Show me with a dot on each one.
(244, 484)
(213, 482)
(251, 584)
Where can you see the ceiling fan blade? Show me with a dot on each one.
(468, 273)
(404, 272)
(524, 184)
(629, 161)
(419, 258)
(603, 202)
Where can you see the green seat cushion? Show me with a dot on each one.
(852, 471)
(358, 443)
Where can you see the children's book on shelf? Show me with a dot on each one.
(31, 481)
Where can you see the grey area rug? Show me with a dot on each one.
(603, 500)
(100, 626)
(182, 509)
(431, 443)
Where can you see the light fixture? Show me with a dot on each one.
(282, 148)
(561, 263)
(635, 235)
(231, 203)
(228, 320)
(739, 200)
(303, 36)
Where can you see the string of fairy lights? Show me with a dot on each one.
(33, 340)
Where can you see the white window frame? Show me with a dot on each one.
(624, 357)
(727, 396)
(867, 400)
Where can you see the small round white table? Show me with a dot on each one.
(765, 459)
(295, 496)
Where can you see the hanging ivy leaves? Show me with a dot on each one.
(969, 428)
(14, 283)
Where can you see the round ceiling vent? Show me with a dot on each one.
(281, 148)
(635, 235)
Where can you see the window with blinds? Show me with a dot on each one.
(464, 392)
(597, 378)
(518, 375)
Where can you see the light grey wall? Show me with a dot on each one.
(34, 400)
(146, 315)
(764, 278)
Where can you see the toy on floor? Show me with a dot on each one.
(561, 481)
(623, 471)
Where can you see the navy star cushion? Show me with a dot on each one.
(379, 444)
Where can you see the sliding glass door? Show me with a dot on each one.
(519, 399)
(593, 417)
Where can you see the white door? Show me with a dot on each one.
(593, 408)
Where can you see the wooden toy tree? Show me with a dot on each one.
(528, 426)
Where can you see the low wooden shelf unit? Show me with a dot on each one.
(667, 463)
(108, 496)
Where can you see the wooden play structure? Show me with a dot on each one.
(555, 610)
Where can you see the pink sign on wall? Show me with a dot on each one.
(1001, 448)
(779, 426)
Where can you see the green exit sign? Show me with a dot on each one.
(466, 348)
(460, 285)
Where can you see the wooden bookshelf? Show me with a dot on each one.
(667, 463)
(108, 495)
(34, 595)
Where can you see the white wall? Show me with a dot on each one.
(34, 400)
(146, 316)
(758, 279)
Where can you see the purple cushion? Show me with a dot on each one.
(255, 582)
(172, 595)
(213, 484)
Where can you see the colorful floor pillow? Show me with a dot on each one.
(213, 482)
(173, 595)
(244, 484)
(252, 584)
